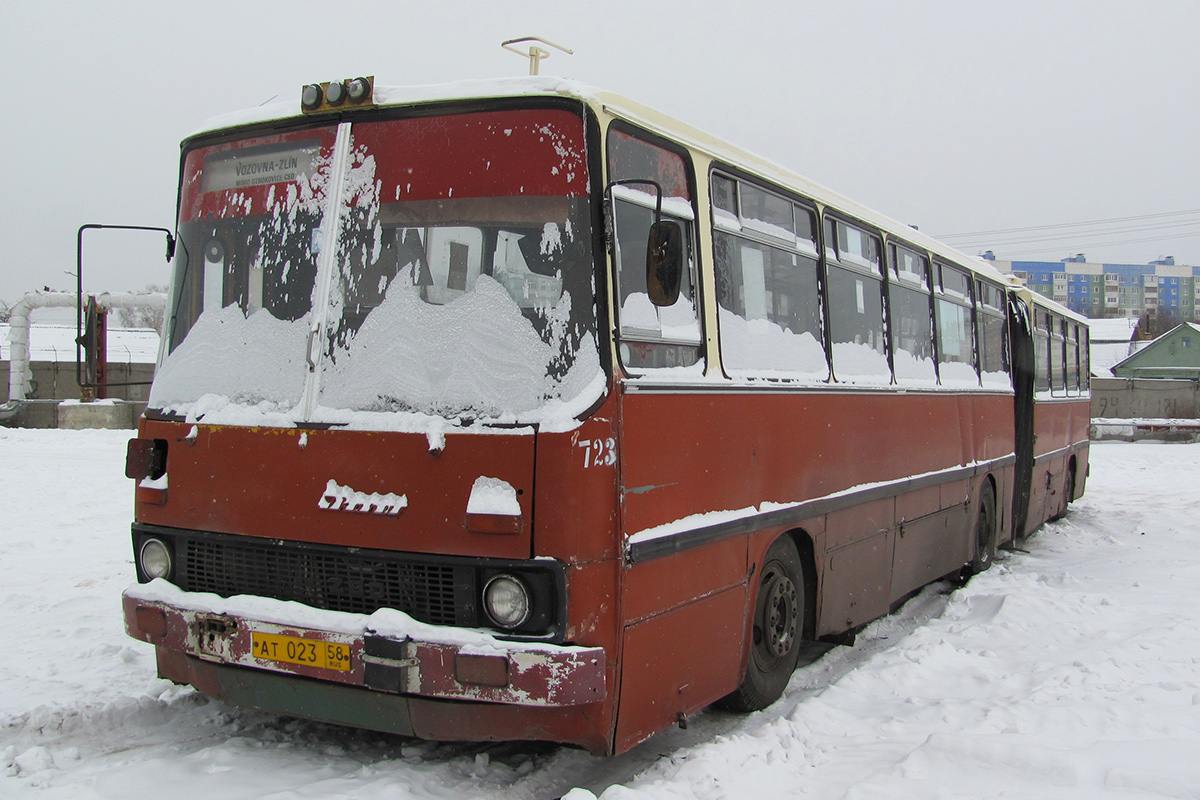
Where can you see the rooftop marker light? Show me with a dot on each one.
(311, 96)
(358, 89)
(322, 98)
(335, 93)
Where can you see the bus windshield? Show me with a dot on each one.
(439, 265)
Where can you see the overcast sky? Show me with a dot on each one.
(956, 116)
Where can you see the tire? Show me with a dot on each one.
(777, 629)
(1068, 493)
(985, 532)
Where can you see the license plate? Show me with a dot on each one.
(296, 650)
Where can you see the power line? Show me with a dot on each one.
(1085, 236)
(1010, 256)
(1068, 224)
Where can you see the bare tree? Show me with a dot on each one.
(5, 311)
(143, 317)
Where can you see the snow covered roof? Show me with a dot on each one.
(56, 343)
(1162, 357)
(1103, 356)
(1111, 331)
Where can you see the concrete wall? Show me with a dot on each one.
(111, 414)
(1143, 431)
(56, 381)
(1122, 398)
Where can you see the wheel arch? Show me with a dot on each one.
(808, 562)
(989, 483)
(985, 551)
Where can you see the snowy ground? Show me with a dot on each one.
(1069, 671)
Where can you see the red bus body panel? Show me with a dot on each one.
(273, 482)
(270, 483)
(1061, 429)
(684, 454)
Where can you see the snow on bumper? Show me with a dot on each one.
(387, 651)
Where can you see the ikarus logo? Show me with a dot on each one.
(343, 498)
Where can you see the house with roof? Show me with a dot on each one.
(1111, 341)
(1175, 354)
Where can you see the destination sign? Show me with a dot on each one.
(258, 166)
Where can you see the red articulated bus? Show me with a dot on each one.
(515, 410)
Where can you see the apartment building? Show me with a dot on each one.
(1161, 288)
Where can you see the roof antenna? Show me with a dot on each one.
(535, 54)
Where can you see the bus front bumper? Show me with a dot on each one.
(386, 651)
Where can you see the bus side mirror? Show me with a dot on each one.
(664, 262)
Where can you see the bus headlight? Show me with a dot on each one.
(506, 599)
(155, 559)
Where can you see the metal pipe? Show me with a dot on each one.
(20, 373)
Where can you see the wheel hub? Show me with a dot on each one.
(780, 618)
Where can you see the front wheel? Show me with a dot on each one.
(777, 627)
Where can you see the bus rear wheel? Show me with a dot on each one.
(1068, 492)
(777, 628)
(985, 531)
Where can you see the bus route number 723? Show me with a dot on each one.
(598, 452)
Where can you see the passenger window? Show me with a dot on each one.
(993, 336)
(911, 321)
(956, 282)
(854, 285)
(1057, 352)
(767, 213)
(955, 331)
(1072, 359)
(724, 200)
(852, 246)
(1085, 366)
(1042, 340)
(768, 287)
(856, 327)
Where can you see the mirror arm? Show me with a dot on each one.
(79, 286)
(658, 193)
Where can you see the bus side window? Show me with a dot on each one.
(1042, 352)
(1085, 366)
(1072, 359)
(651, 336)
(955, 331)
(1058, 384)
(909, 318)
(768, 289)
(992, 335)
(854, 285)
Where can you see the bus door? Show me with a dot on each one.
(1023, 372)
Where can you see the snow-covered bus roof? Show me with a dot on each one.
(623, 108)
(1044, 302)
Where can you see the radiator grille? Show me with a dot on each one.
(336, 580)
